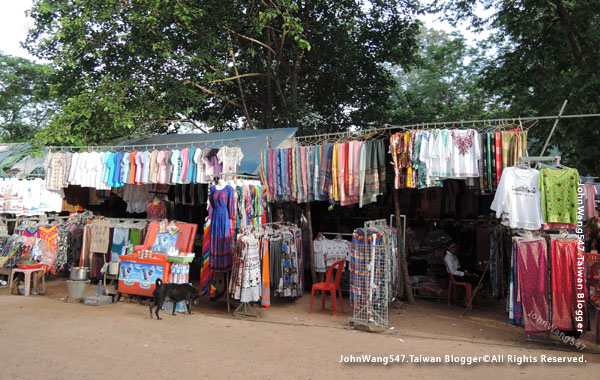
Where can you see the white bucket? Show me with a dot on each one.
(113, 268)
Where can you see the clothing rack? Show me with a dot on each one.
(526, 160)
(239, 175)
(256, 226)
(133, 146)
(487, 121)
(512, 122)
(245, 309)
(368, 134)
(376, 223)
(128, 219)
(34, 218)
(336, 233)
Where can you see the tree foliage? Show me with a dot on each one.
(443, 85)
(148, 65)
(547, 51)
(26, 102)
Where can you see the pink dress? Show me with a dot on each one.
(354, 187)
(162, 166)
(347, 166)
(304, 173)
(138, 168)
(344, 201)
(185, 164)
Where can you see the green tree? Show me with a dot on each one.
(546, 51)
(26, 103)
(443, 85)
(152, 65)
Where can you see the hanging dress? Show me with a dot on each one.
(222, 203)
(251, 276)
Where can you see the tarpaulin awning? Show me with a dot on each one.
(252, 142)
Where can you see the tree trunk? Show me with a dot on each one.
(564, 19)
(11, 125)
(268, 87)
(294, 91)
(239, 82)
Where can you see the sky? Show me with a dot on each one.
(14, 25)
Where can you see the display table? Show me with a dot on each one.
(138, 275)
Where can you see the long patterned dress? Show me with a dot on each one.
(222, 203)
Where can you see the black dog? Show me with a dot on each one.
(175, 292)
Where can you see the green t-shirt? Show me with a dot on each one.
(559, 195)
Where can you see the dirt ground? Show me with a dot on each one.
(46, 337)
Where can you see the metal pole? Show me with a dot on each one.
(311, 251)
(399, 245)
(553, 127)
(402, 252)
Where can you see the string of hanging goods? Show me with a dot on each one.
(496, 122)
(213, 142)
(337, 137)
(489, 125)
(158, 164)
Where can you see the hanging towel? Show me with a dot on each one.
(120, 236)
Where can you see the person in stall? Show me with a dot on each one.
(454, 265)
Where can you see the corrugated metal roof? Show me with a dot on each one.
(15, 158)
(252, 142)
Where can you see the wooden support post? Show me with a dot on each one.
(554, 127)
(313, 273)
(403, 264)
(477, 288)
(227, 291)
(400, 247)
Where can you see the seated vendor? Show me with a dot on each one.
(454, 265)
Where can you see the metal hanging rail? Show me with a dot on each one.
(250, 227)
(238, 175)
(133, 146)
(461, 123)
(336, 233)
(512, 120)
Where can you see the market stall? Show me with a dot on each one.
(159, 178)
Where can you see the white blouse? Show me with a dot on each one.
(465, 153)
(231, 158)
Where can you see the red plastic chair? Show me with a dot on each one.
(452, 284)
(332, 287)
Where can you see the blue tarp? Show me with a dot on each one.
(14, 158)
(252, 142)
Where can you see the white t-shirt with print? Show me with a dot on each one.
(518, 199)
(336, 250)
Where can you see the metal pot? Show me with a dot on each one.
(79, 274)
